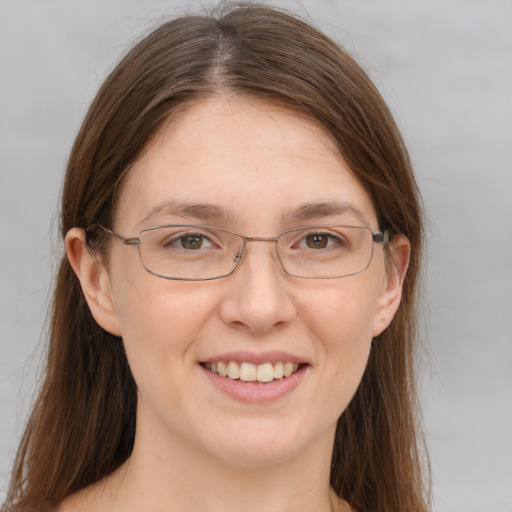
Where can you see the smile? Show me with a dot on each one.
(249, 372)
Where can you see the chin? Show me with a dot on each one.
(261, 443)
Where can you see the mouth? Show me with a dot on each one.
(250, 372)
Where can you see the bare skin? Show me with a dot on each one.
(198, 447)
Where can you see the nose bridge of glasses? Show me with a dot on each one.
(246, 239)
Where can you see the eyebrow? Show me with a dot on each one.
(206, 211)
(200, 211)
(311, 211)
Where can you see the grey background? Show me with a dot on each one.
(445, 68)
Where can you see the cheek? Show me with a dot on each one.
(161, 320)
(342, 314)
(161, 315)
(342, 324)
(161, 323)
(151, 310)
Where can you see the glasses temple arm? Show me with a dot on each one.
(126, 241)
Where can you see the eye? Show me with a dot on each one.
(321, 241)
(193, 241)
(188, 241)
(317, 241)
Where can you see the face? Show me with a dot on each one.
(249, 167)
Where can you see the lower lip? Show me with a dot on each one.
(256, 392)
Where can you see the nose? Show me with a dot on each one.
(258, 299)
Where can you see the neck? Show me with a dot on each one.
(170, 475)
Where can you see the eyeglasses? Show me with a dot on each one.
(196, 253)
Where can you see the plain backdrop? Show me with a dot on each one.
(445, 68)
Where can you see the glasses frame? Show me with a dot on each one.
(377, 238)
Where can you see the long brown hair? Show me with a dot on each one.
(82, 426)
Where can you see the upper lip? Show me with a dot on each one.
(256, 357)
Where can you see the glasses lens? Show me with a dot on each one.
(189, 252)
(325, 251)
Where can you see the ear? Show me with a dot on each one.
(390, 295)
(94, 279)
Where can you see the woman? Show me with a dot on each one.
(234, 323)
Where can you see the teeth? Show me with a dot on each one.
(265, 372)
(222, 368)
(233, 370)
(249, 372)
(288, 369)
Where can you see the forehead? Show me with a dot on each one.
(252, 161)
